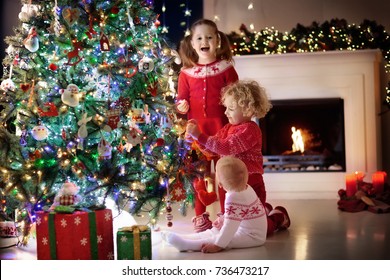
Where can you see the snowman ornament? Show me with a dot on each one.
(32, 42)
(70, 96)
(39, 132)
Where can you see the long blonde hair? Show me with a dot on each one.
(189, 56)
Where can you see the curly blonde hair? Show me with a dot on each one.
(250, 96)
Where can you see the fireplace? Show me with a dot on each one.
(350, 78)
(304, 135)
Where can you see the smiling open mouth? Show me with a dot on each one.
(204, 49)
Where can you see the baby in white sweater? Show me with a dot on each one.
(244, 223)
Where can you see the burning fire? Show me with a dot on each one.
(298, 143)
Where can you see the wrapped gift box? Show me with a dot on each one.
(77, 236)
(134, 243)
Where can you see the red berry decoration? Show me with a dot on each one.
(53, 67)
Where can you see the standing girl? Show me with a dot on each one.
(207, 68)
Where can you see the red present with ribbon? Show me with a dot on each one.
(78, 236)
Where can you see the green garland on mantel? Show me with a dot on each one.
(335, 34)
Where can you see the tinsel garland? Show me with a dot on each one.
(335, 34)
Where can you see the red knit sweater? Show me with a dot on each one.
(201, 86)
(243, 141)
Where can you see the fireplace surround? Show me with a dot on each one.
(354, 77)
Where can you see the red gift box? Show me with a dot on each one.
(77, 236)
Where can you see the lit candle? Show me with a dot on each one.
(359, 176)
(378, 181)
(350, 181)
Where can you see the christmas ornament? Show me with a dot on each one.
(178, 192)
(70, 96)
(133, 138)
(113, 117)
(104, 43)
(53, 67)
(137, 115)
(104, 149)
(67, 195)
(51, 112)
(28, 11)
(146, 65)
(31, 42)
(71, 15)
(130, 71)
(23, 137)
(39, 132)
(25, 87)
(35, 155)
(83, 132)
(146, 114)
(74, 53)
(169, 215)
(7, 85)
(152, 88)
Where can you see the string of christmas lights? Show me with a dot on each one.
(335, 34)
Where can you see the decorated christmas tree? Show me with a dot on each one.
(86, 99)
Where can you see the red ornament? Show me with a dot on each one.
(160, 142)
(51, 112)
(115, 10)
(178, 192)
(25, 87)
(53, 67)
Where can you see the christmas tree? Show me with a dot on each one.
(87, 98)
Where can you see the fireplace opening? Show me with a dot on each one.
(304, 135)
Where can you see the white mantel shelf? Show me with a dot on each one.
(354, 76)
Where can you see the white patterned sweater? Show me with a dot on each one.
(245, 220)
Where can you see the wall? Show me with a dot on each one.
(285, 14)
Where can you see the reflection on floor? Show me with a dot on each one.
(319, 231)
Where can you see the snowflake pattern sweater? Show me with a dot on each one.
(244, 218)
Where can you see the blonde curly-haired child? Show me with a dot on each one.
(242, 138)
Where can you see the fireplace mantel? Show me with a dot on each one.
(354, 76)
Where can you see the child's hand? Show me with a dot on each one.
(182, 106)
(193, 129)
(210, 248)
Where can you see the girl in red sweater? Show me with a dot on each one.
(207, 68)
(242, 138)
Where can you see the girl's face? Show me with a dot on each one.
(205, 42)
(233, 112)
